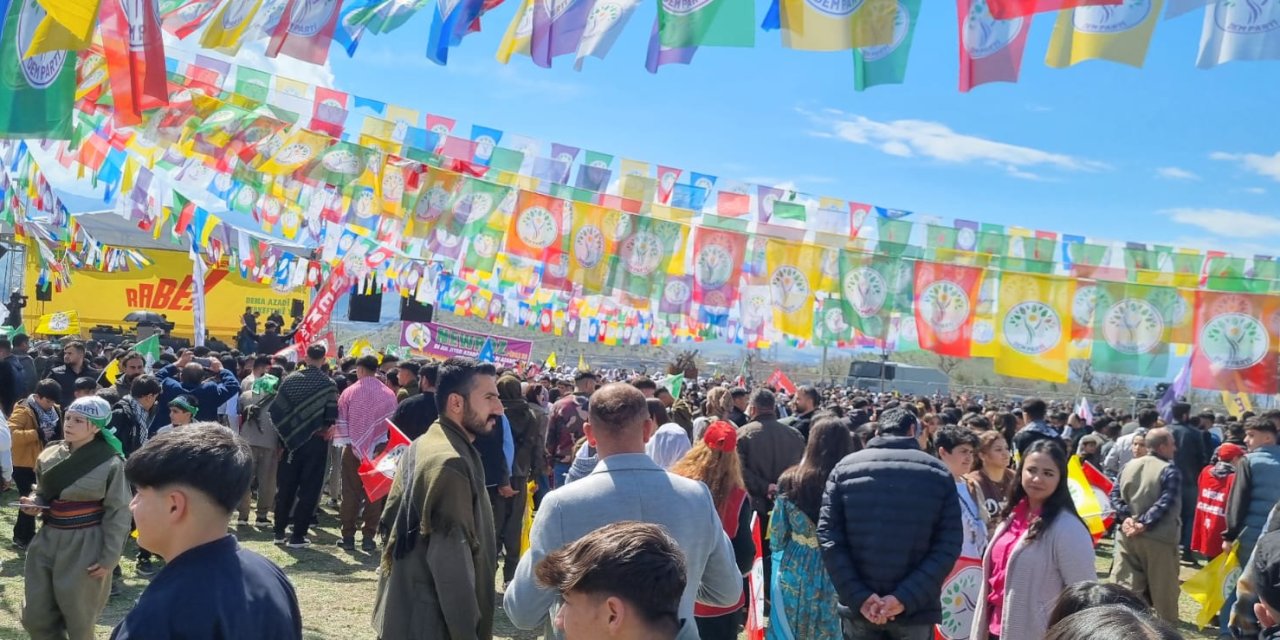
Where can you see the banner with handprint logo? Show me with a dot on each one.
(1234, 344)
(1034, 326)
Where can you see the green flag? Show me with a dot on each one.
(887, 63)
(150, 349)
(673, 383)
(872, 287)
(640, 267)
(504, 159)
(39, 91)
(483, 250)
(1130, 330)
(830, 327)
(1230, 274)
(475, 201)
(254, 85)
(793, 211)
(708, 23)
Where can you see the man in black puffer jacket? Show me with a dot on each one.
(890, 533)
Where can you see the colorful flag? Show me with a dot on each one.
(779, 380)
(1086, 500)
(837, 25)
(551, 361)
(61, 323)
(592, 247)
(644, 255)
(887, 63)
(1005, 9)
(1234, 348)
(516, 38)
(990, 49)
(677, 296)
(378, 474)
(717, 266)
(946, 297)
(39, 90)
(582, 363)
(299, 149)
(1130, 330)
(536, 226)
(1032, 326)
(184, 17)
(1236, 403)
(607, 19)
(1120, 33)
(449, 23)
(659, 54)
(74, 17)
(227, 28)
(712, 23)
(1181, 385)
(1239, 30)
(475, 203)
(793, 270)
(1210, 586)
(134, 48)
(872, 287)
(558, 26)
(307, 31)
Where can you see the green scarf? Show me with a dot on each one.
(57, 478)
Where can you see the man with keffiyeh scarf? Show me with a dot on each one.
(304, 412)
(35, 422)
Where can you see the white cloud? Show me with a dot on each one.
(1257, 191)
(1227, 223)
(1266, 166)
(1176, 173)
(937, 141)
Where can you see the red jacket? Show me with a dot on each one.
(1211, 509)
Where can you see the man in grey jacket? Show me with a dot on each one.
(627, 485)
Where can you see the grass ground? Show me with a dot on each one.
(335, 587)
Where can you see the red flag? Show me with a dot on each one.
(946, 297)
(188, 17)
(717, 265)
(779, 380)
(1102, 491)
(377, 474)
(134, 48)
(732, 204)
(1234, 349)
(959, 593)
(1005, 9)
(305, 30)
(322, 306)
(756, 580)
(990, 49)
(329, 114)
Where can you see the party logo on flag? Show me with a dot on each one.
(984, 35)
(236, 12)
(901, 27)
(684, 7)
(1111, 18)
(1032, 327)
(790, 288)
(960, 593)
(1247, 17)
(642, 253)
(311, 16)
(1233, 341)
(1084, 303)
(676, 293)
(1133, 326)
(588, 246)
(714, 265)
(944, 305)
(537, 227)
(866, 290)
(43, 69)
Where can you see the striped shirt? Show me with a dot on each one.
(362, 411)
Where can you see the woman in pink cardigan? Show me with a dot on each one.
(1041, 547)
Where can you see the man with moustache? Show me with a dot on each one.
(440, 553)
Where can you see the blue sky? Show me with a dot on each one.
(1099, 149)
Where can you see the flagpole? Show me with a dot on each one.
(823, 373)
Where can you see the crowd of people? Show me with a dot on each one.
(643, 501)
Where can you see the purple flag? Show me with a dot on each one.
(564, 153)
(967, 235)
(593, 178)
(557, 28)
(1180, 386)
(676, 295)
(765, 197)
(660, 55)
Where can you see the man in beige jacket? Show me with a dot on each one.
(1147, 500)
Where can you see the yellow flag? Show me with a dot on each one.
(300, 148)
(51, 35)
(1236, 403)
(590, 248)
(551, 360)
(1120, 33)
(112, 371)
(517, 37)
(61, 323)
(582, 363)
(227, 28)
(984, 318)
(836, 25)
(75, 18)
(1209, 586)
(1033, 326)
(794, 269)
(1087, 504)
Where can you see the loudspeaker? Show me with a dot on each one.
(413, 311)
(45, 293)
(295, 311)
(366, 308)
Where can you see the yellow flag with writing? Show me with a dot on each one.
(300, 148)
(590, 247)
(1209, 586)
(226, 29)
(1117, 32)
(836, 25)
(1033, 326)
(1236, 403)
(794, 270)
(984, 342)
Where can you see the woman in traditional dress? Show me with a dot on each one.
(713, 461)
(84, 498)
(804, 600)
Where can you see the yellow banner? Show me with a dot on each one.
(794, 269)
(1119, 33)
(1033, 326)
(835, 26)
(165, 288)
(1237, 403)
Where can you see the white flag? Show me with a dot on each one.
(1240, 30)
